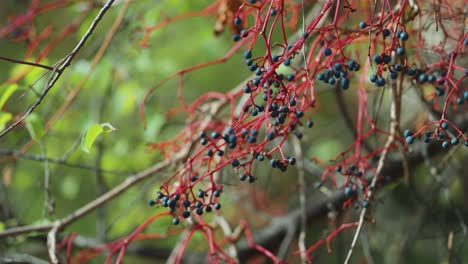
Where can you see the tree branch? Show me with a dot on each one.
(28, 63)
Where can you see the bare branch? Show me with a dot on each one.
(28, 63)
(51, 237)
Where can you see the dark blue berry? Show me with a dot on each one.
(193, 178)
(251, 178)
(292, 101)
(337, 66)
(160, 195)
(422, 78)
(344, 83)
(409, 139)
(200, 193)
(290, 77)
(242, 177)
(310, 124)
(377, 59)
(445, 144)
(186, 214)
(235, 163)
(459, 100)
(237, 21)
(220, 153)
(348, 192)
(254, 112)
(273, 163)
(380, 81)
(431, 78)
(171, 203)
(151, 202)
(232, 138)
(386, 32)
(235, 37)
(455, 141)
(271, 135)
(256, 81)
(440, 92)
(208, 209)
(217, 206)
(365, 203)
(351, 64)
(400, 51)
(292, 161)
(362, 25)
(444, 125)
(273, 12)
(373, 78)
(175, 221)
(298, 134)
(386, 59)
(199, 211)
(287, 62)
(186, 203)
(203, 141)
(407, 133)
(215, 135)
(299, 114)
(404, 36)
(217, 193)
(327, 52)
(209, 153)
(393, 75)
(249, 62)
(411, 71)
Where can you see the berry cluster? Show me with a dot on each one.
(182, 206)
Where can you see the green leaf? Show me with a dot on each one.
(35, 126)
(4, 118)
(93, 132)
(2, 226)
(6, 93)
